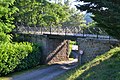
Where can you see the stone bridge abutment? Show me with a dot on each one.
(94, 47)
(56, 49)
(53, 49)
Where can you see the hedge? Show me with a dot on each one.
(18, 56)
(33, 59)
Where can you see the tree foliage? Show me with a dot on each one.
(76, 20)
(6, 20)
(40, 13)
(107, 14)
(12, 54)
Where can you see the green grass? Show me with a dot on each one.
(5, 78)
(104, 67)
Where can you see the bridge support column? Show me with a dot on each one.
(57, 50)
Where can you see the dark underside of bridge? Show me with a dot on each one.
(54, 36)
(63, 37)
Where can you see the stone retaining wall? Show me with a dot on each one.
(94, 47)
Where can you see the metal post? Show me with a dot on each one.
(83, 32)
(65, 30)
(41, 30)
(50, 29)
(57, 30)
(109, 37)
(97, 35)
(28, 29)
(74, 30)
(17, 29)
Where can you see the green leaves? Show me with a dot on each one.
(76, 20)
(18, 56)
(12, 54)
(4, 37)
(33, 59)
(106, 15)
(6, 25)
(15, 56)
(36, 13)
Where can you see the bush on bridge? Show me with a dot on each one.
(18, 56)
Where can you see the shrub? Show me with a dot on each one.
(18, 56)
(33, 59)
(4, 37)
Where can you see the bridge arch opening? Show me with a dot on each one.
(73, 49)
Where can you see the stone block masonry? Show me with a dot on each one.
(94, 47)
(60, 52)
(54, 50)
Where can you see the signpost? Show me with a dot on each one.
(80, 57)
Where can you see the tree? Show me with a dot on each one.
(27, 11)
(107, 14)
(76, 20)
(6, 20)
(40, 13)
(55, 14)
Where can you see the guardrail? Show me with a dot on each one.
(72, 31)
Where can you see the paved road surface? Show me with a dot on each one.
(48, 73)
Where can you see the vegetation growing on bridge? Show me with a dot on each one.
(104, 67)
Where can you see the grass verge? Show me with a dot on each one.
(104, 67)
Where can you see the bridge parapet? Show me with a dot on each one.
(69, 31)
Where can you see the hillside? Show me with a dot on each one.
(88, 18)
(104, 67)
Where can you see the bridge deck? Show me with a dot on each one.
(57, 32)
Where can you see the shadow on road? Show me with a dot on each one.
(48, 73)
